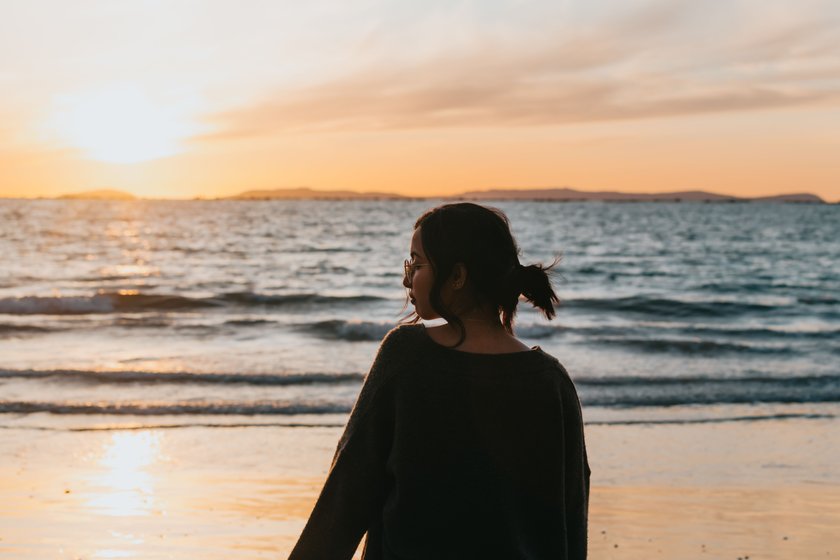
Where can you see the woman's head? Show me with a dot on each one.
(468, 260)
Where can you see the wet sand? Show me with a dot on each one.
(758, 490)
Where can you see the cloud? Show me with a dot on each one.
(655, 62)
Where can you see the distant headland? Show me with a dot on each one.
(551, 194)
(102, 194)
(548, 194)
(567, 194)
(305, 193)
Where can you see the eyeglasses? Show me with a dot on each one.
(410, 267)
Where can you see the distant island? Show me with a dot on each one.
(549, 194)
(566, 194)
(104, 194)
(305, 193)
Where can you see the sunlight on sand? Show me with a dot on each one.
(127, 486)
(113, 553)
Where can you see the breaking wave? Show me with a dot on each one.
(153, 377)
(119, 302)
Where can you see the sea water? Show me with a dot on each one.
(251, 312)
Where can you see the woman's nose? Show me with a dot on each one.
(406, 281)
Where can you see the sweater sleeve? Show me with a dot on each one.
(357, 485)
(577, 472)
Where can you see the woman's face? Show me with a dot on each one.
(419, 283)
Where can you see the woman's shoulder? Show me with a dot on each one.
(554, 365)
(403, 334)
(551, 361)
(561, 378)
(400, 344)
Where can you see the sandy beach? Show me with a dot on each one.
(762, 489)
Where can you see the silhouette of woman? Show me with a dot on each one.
(464, 442)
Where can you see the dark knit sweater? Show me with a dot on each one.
(451, 454)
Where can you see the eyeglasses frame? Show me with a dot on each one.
(409, 267)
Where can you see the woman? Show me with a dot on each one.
(463, 443)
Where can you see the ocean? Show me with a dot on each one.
(173, 313)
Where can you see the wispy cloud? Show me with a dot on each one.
(655, 62)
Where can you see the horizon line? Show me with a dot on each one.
(394, 195)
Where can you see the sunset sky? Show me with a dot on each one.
(209, 98)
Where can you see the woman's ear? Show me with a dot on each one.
(459, 276)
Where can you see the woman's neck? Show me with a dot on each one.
(484, 333)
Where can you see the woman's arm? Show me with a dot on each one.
(357, 485)
(577, 472)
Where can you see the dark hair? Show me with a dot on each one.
(480, 239)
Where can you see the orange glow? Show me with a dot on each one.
(630, 157)
(737, 98)
(119, 124)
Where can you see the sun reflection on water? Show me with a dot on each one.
(127, 484)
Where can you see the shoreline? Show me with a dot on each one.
(696, 491)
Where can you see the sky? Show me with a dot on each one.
(183, 99)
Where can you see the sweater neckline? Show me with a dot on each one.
(534, 350)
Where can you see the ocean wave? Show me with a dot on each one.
(674, 391)
(68, 305)
(328, 249)
(252, 298)
(762, 332)
(179, 409)
(100, 303)
(137, 426)
(153, 377)
(11, 329)
(249, 322)
(133, 302)
(594, 270)
(353, 330)
(692, 346)
(348, 330)
(668, 307)
(615, 381)
(665, 329)
(709, 396)
(714, 420)
(611, 392)
(744, 286)
(660, 336)
(536, 331)
(143, 322)
(105, 278)
(818, 300)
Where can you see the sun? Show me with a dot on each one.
(121, 124)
